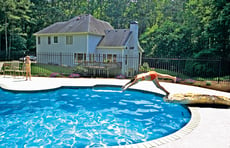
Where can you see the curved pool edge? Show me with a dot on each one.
(219, 117)
(187, 129)
(44, 85)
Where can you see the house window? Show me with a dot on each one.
(79, 57)
(91, 57)
(99, 58)
(84, 56)
(104, 58)
(114, 58)
(126, 59)
(69, 39)
(55, 39)
(109, 58)
(39, 40)
(49, 40)
(131, 47)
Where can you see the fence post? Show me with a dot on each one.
(218, 80)
(60, 58)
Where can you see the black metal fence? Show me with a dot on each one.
(206, 69)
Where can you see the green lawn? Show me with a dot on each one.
(46, 70)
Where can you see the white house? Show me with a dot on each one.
(92, 43)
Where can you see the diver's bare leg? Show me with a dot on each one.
(166, 76)
(156, 82)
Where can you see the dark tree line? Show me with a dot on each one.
(167, 28)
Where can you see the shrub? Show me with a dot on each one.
(189, 81)
(208, 83)
(74, 75)
(200, 79)
(145, 67)
(55, 74)
(120, 76)
(198, 84)
(178, 80)
(65, 74)
(80, 69)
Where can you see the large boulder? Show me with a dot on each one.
(191, 98)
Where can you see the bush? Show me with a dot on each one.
(55, 74)
(178, 80)
(145, 67)
(200, 79)
(74, 75)
(80, 70)
(189, 81)
(120, 76)
(208, 83)
(198, 84)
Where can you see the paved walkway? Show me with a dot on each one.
(212, 131)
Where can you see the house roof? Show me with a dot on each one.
(117, 37)
(81, 23)
(88, 24)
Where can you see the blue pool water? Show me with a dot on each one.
(86, 117)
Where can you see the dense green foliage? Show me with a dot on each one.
(167, 28)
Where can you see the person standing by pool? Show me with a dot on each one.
(28, 67)
(149, 76)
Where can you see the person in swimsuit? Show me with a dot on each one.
(28, 67)
(149, 76)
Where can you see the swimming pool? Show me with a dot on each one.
(86, 117)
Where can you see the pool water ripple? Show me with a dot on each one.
(86, 117)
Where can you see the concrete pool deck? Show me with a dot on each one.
(210, 127)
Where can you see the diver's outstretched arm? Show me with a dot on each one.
(126, 84)
(129, 85)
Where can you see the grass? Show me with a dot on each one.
(37, 69)
(47, 70)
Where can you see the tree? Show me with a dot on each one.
(172, 28)
(14, 16)
(167, 36)
(218, 32)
